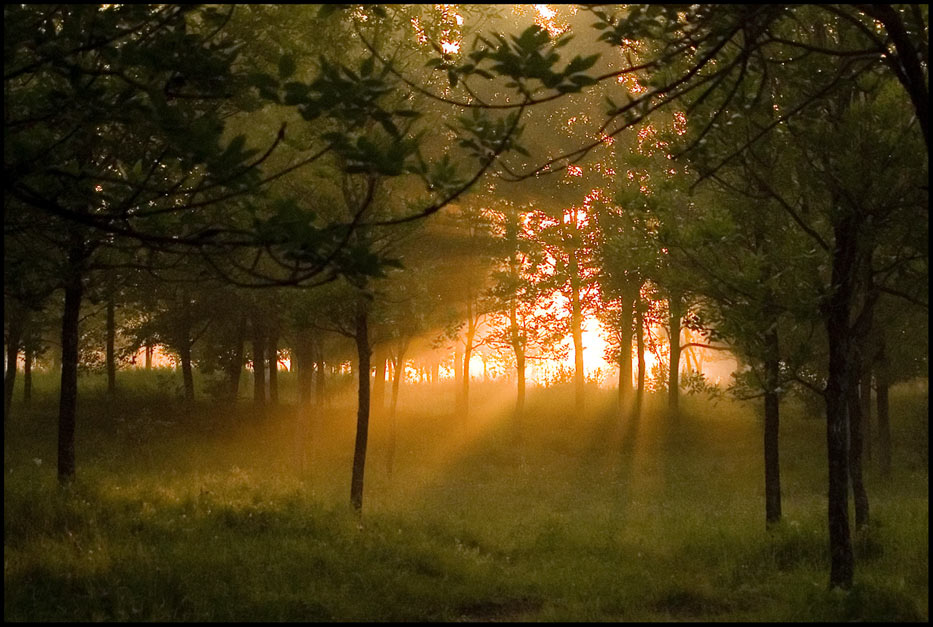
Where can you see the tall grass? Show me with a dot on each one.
(214, 512)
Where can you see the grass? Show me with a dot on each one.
(214, 513)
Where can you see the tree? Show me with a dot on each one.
(834, 236)
(719, 54)
(114, 127)
(522, 319)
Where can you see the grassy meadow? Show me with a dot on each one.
(213, 513)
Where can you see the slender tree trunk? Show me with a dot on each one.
(884, 424)
(640, 348)
(186, 371)
(319, 383)
(362, 416)
(379, 380)
(576, 329)
(14, 340)
(259, 362)
(234, 365)
(673, 380)
(111, 340)
(398, 372)
(837, 313)
(771, 430)
(625, 351)
(67, 408)
(859, 379)
(148, 355)
(185, 343)
(464, 405)
(458, 373)
(865, 404)
(27, 376)
(435, 372)
(273, 350)
(304, 365)
(859, 495)
(518, 348)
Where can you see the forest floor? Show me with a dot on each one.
(217, 514)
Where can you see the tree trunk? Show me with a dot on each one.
(884, 424)
(259, 362)
(379, 381)
(576, 329)
(458, 374)
(14, 340)
(625, 350)
(362, 414)
(67, 408)
(771, 430)
(673, 380)
(640, 347)
(837, 312)
(273, 355)
(464, 405)
(398, 372)
(319, 388)
(860, 496)
(27, 376)
(304, 366)
(111, 337)
(186, 371)
(519, 349)
(184, 351)
(865, 404)
(148, 356)
(234, 365)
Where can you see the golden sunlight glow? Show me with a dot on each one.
(420, 35)
(631, 83)
(595, 195)
(546, 19)
(160, 358)
(360, 14)
(680, 122)
(451, 37)
(644, 134)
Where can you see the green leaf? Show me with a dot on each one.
(581, 64)
(366, 67)
(258, 79)
(328, 9)
(583, 80)
(286, 66)
(295, 93)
